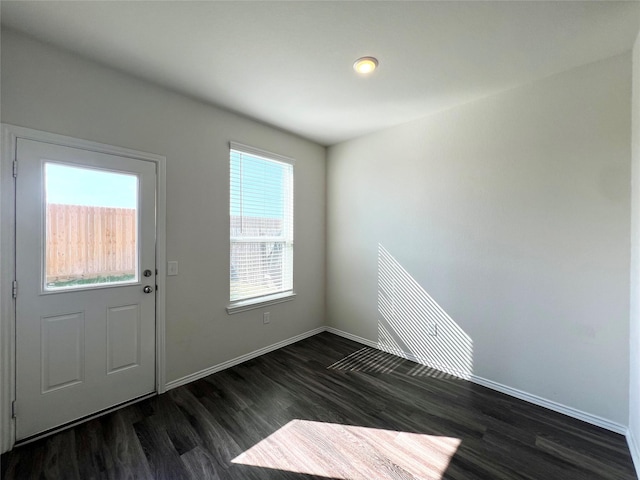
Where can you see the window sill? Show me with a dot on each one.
(254, 303)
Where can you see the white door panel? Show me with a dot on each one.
(123, 337)
(85, 328)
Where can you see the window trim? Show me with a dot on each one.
(261, 153)
(258, 302)
(274, 298)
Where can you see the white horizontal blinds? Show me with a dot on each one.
(261, 210)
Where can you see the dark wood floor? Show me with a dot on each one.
(323, 408)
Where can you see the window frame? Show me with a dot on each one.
(241, 305)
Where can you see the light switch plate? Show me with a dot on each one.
(172, 268)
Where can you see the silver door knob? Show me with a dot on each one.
(147, 289)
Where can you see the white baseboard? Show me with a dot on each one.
(513, 392)
(353, 337)
(242, 358)
(551, 405)
(635, 452)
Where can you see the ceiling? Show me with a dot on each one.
(289, 64)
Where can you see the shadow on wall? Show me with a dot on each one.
(412, 325)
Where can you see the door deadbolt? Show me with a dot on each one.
(147, 273)
(147, 289)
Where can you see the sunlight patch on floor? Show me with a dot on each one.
(351, 452)
(368, 359)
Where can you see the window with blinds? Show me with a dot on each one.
(261, 210)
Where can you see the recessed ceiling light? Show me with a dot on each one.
(365, 65)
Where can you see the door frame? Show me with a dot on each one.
(10, 135)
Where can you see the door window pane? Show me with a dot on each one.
(91, 227)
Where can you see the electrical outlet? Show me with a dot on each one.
(266, 318)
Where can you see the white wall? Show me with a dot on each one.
(505, 222)
(634, 334)
(47, 89)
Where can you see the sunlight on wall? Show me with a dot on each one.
(412, 324)
(349, 452)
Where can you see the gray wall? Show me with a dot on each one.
(505, 225)
(47, 89)
(634, 376)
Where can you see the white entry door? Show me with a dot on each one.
(85, 270)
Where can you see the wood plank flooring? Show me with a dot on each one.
(327, 408)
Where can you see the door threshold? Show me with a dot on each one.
(53, 431)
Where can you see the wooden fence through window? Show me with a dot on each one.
(86, 242)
